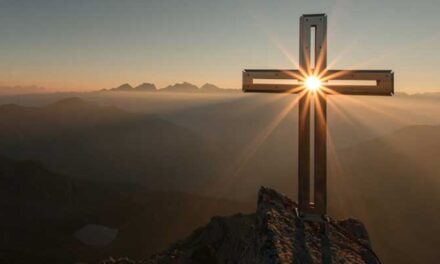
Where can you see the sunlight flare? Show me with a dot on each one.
(312, 83)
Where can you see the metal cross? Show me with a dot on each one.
(312, 147)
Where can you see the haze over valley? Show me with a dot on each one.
(142, 157)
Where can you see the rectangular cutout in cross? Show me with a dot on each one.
(312, 50)
(350, 83)
(276, 81)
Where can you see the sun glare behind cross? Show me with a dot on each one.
(312, 83)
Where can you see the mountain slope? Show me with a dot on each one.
(102, 142)
(42, 210)
(392, 184)
(180, 87)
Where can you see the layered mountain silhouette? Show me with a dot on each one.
(144, 87)
(392, 183)
(184, 87)
(208, 87)
(104, 143)
(181, 87)
(228, 146)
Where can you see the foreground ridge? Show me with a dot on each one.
(274, 234)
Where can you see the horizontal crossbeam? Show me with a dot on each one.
(384, 84)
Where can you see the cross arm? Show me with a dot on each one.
(384, 81)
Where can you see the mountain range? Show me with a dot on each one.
(227, 146)
(185, 87)
(104, 143)
(42, 211)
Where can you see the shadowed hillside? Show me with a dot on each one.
(383, 168)
(103, 143)
(41, 211)
(392, 184)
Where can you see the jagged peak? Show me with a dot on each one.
(209, 86)
(145, 86)
(183, 86)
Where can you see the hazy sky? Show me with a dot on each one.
(92, 44)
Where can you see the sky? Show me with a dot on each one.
(93, 44)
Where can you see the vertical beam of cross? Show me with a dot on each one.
(312, 144)
(312, 163)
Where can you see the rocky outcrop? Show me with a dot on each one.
(274, 234)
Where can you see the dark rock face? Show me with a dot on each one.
(273, 235)
(284, 238)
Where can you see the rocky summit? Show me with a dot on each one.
(274, 234)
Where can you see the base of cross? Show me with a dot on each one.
(310, 217)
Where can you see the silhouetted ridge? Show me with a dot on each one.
(181, 87)
(208, 87)
(124, 87)
(178, 87)
(46, 216)
(145, 87)
(30, 180)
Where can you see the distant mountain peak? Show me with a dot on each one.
(124, 87)
(181, 87)
(177, 87)
(209, 87)
(146, 87)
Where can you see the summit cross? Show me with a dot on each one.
(313, 82)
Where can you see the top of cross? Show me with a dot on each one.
(313, 62)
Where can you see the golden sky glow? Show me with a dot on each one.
(101, 44)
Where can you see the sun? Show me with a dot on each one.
(312, 83)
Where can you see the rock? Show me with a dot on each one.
(274, 234)
(284, 238)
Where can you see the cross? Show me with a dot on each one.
(313, 82)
